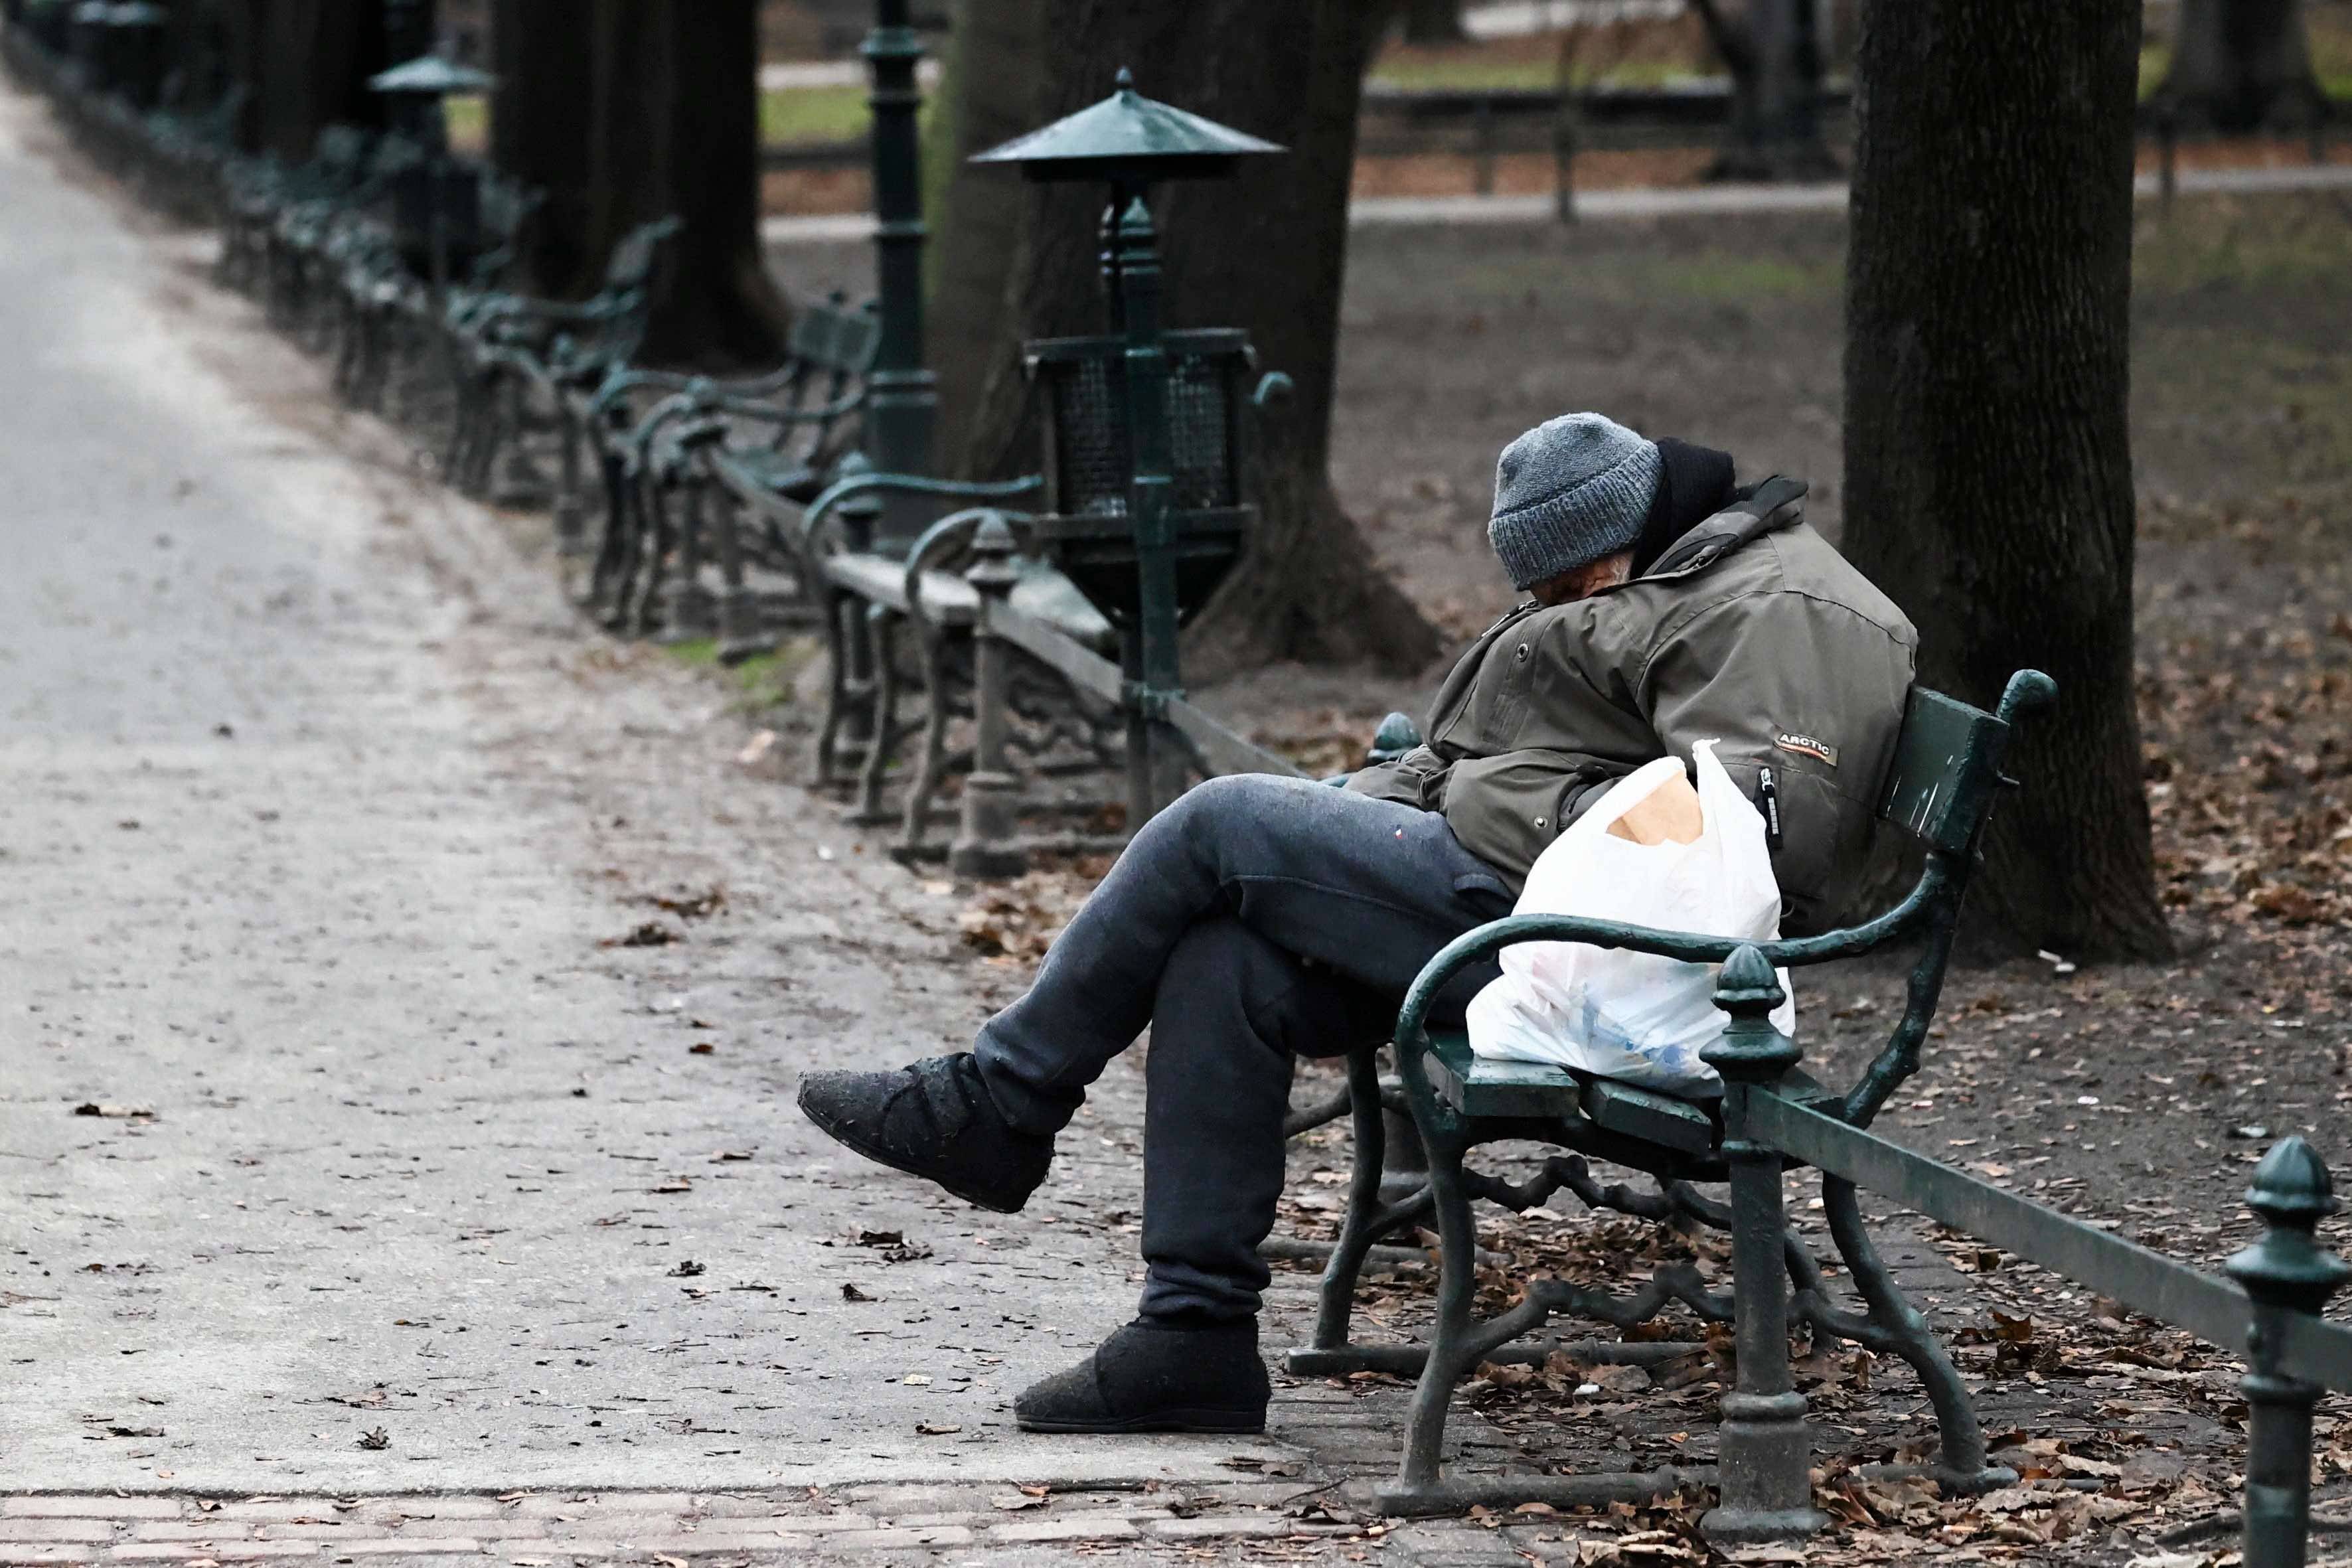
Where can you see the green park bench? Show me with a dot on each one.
(1939, 792)
(525, 366)
(870, 585)
(782, 432)
(388, 316)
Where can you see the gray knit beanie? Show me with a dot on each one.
(1569, 492)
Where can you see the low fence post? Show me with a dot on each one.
(1765, 1453)
(2287, 1272)
(987, 840)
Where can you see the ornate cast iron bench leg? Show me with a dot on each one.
(660, 536)
(840, 692)
(882, 641)
(916, 822)
(689, 612)
(1895, 1326)
(740, 634)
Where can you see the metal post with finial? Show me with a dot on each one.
(2286, 1274)
(987, 843)
(903, 404)
(1765, 1452)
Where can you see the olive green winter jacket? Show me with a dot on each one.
(1749, 630)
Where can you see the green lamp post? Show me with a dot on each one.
(902, 400)
(439, 200)
(1144, 425)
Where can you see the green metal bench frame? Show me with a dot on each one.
(780, 432)
(1940, 789)
(509, 347)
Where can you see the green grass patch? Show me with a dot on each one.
(757, 684)
(803, 114)
(1472, 72)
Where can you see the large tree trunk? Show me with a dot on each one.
(1265, 251)
(304, 66)
(542, 115)
(1988, 458)
(1434, 21)
(1774, 52)
(313, 65)
(628, 111)
(2237, 65)
(989, 93)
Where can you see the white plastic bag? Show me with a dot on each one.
(1636, 1017)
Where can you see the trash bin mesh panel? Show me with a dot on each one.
(1092, 459)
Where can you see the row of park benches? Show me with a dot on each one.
(758, 481)
(685, 507)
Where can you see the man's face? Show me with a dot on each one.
(1585, 581)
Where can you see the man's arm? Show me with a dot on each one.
(1806, 687)
(1507, 809)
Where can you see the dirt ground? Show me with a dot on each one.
(2137, 1096)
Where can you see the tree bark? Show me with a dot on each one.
(542, 118)
(304, 66)
(2238, 64)
(1988, 457)
(1434, 21)
(1265, 251)
(626, 111)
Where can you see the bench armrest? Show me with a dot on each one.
(1475, 946)
(955, 528)
(871, 481)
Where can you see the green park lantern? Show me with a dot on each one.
(436, 206)
(1144, 426)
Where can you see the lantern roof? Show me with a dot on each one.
(432, 75)
(1128, 138)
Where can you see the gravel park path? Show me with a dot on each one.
(350, 1145)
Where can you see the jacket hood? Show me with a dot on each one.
(1769, 507)
(1695, 483)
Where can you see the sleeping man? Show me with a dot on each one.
(1261, 919)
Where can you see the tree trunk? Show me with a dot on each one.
(1265, 251)
(1774, 53)
(314, 61)
(1434, 21)
(990, 91)
(542, 115)
(1988, 457)
(2238, 64)
(628, 111)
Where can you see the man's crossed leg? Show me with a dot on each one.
(1254, 920)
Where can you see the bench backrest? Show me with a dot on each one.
(638, 255)
(1946, 771)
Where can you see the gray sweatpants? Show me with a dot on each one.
(1256, 919)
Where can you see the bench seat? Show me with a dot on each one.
(1042, 592)
(1476, 1086)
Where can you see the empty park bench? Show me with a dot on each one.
(388, 330)
(781, 432)
(510, 351)
(869, 586)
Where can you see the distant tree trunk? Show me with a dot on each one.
(1265, 251)
(628, 112)
(990, 92)
(1774, 51)
(1434, 21)
(313, 66)
(542, 115)
(1988, 457)
(304, 66)
(2237, 65)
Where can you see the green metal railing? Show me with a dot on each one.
(2270, 1303)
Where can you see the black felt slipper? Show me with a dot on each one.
(1156, 1377)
